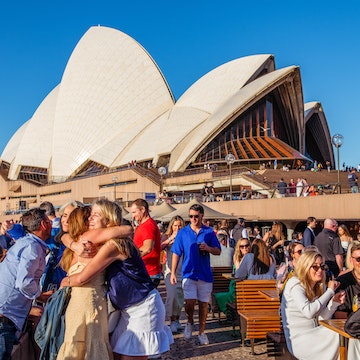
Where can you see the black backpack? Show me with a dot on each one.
(352, 324)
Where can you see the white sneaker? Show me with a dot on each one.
(203, 339)
(179, 326)
(173, 327)
(188, 331)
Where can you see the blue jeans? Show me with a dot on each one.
(7, 339)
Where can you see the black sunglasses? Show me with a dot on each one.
(317, 267)
(357, 259)
(299, 252)
(194, 216)
(244, 246)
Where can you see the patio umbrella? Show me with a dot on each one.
(158, 211)
(155, 211)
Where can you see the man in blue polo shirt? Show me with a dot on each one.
(195, 242)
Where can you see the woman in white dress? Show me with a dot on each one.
(304, 302)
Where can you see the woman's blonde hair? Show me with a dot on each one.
(169, 229)
(78, 224)
(113, 215)
(277, 231)
(238, 255)
(110, 210)
(302, 270)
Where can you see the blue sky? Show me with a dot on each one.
(187, 39)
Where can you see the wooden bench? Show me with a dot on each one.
(258, 314)
(220, 284)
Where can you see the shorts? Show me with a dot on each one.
(197, 289)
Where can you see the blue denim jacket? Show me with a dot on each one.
(49, 334)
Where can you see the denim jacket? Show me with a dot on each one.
(49, 334)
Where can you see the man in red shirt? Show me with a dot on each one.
(147, 238)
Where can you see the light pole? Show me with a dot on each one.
(162, 172)
(337, 141)
(114, 180)
(230, 159)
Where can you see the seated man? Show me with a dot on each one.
(350, 282)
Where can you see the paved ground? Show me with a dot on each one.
(223, 345)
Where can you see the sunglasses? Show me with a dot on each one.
(299, 252)
(317, 267)
(356, 258)
(194, 216)
(244, 246)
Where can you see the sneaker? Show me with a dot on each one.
(188, 331)
(173, 327)
(203, 339)
(178, 325)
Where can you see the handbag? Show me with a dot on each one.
(352, 324)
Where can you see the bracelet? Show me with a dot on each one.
(72, 241)
(69, 280)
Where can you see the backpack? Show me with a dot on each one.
(352, 324)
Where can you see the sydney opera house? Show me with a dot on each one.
(113, 107)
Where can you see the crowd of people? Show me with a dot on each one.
(317, 274)
(101, 273)
(300, 187)
(110, 274)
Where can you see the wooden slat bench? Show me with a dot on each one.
(258, 315)
(220, 285)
